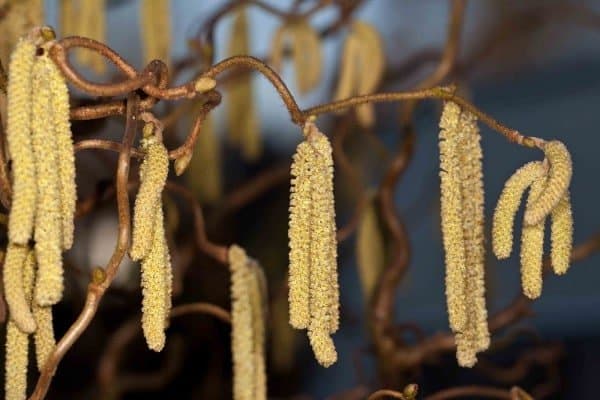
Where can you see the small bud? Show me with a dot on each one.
(98, 275)
(182, 162)
(204, 84)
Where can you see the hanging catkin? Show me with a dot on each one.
(258, 296)
(20, 148)
(314, 291)
(242, 119)
(14, 288)
(562, 235)
(17, 341)
(155, 24)
(48, 217)
(18, 18)
(44, 334)
(91, 23)
(532, 247)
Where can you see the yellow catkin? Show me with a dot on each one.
(65, 152)
(68, 17)
(562, 235)
(508, 204)
(48, 221)
(17, 342)
(532, 247)
(91, 22)
(155, 24)
(559, 178)
(258, 291)
(20, 148)
(204, 173)
(14, 288)
(18, 19)
(370, 248)
(43, 335)
(153, 175)
(348, 69)
(242, 344)
(306, 55)
(156, 300)
(451, 217)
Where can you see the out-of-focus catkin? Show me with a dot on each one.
(153, 175)
(508, 204)
(559, 178)
(65, 152)
(370, 248)
(48, 219)
(17, 342)
(20, 148)
(14, 288)
(532, 247)
(18, 18)
(155, 25)
(90, 22)
(562, 235)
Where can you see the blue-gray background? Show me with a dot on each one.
(548, 87)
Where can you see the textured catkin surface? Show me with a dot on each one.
(20, 148)
(562, 235)
(14, 288)
(257, 288)
(532, 247)
(43, 335)
(48, 218)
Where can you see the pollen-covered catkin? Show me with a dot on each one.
(155, 286)
(91, 22)
(532, 247)
(153, 175)
(508, 204)
(14, 288)
(258, 294)
(44, 334)
(307, 55)
(451, 218)
(242, 344)
(155, 25)
(48, 220)
(17, 342)
(562, 235)
(559, 178)
(65, 152)
(370, 248)
(20, 148)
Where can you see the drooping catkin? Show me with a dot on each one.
(153, 175)
(370, 248)
(532, 247)
(562, 235)
(14, 288)
(508, 204)
(20, 148)
(44, 334)
(65, 152)
(348, 69)
(306, 55)
(242, 344)
(559, 178)
(91, 23)
(17, 341)
(155, 24)
(156, 299)
(18, 18)
(48, 220)
(451, 218)
(258, 298)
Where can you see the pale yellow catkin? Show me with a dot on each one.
(155, 24)
(14, 288)
(508, 204)
(153, 175)
(559, 178)
(307, 56)
(242, 344)
(258, 293)
(370, 248)
(68, 17)
(562, 235)
(91, 23)
(17, 342)
(19, 17)
(451, 217)
(48, 220)
(532, 247)
(348, 70)
(45, 342)
(20, 148)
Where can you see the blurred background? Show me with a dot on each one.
(533, 65)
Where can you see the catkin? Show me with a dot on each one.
(48, 220)
(257, 289)
(91, 22)
(44, 334)
(20, 148)
(153, 175)
(155, 27)
(559, 178)
(17, 342)
(18, 18)
(370, 248)
(532, 247)
(508, 204)
(349, 69)
(562, 235)
(14, 288)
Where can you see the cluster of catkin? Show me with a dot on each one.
(242, 118)
(313, 282)
(248, 302)
(548, 184)
(305, 44)
(85, 18)
(149, 242)
(362, 67)
(155, 29)
(44, 195)
(462, 217)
